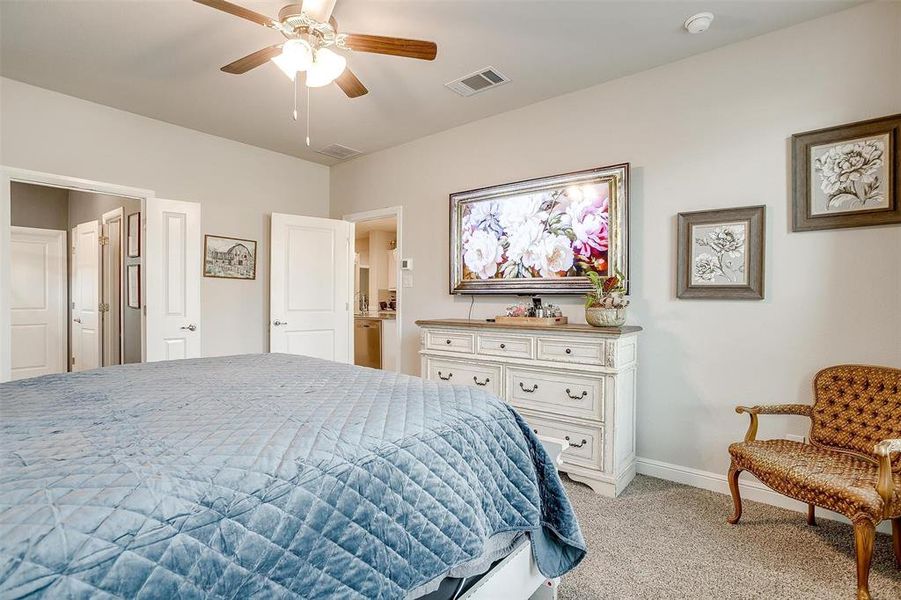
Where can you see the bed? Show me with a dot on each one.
(270, 476)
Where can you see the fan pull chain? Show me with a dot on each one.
(308, 117)
(295, 96)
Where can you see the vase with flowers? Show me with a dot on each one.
(605, 304)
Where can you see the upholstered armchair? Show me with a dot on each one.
(852, 463)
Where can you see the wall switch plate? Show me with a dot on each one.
(406, 264)
(406, 278)
(796, 438)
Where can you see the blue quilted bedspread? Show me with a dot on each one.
(268, 476)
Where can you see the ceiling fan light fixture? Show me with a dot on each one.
(297, 55)
(326, 68)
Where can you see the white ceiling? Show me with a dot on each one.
(388, 224)
(161, 59)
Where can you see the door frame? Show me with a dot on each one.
(398, 213)
(8, 175)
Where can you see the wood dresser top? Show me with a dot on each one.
(568, 328)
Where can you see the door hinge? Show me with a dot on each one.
(103, 307)
(104, 240)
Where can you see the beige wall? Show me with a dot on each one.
(238, 186)
(708, 132)
(39, 206)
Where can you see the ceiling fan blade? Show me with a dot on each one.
(379, 44)
(238, 11)
(350, 85)
(251, 61)
(319, 10)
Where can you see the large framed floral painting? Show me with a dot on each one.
(847, 176)
(720, 254)
(542, 235)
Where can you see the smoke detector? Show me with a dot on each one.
(698, 23)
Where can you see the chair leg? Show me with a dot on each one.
(864, 536)
(734, 472)
(896, 540)
(811, 514)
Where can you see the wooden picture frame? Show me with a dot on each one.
(133, 285)
(721, 254)
(229, 257)
(847, 176)
(133, 245)
(521, 238)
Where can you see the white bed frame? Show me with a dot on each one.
(517, 576)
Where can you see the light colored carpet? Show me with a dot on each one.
(661, 540)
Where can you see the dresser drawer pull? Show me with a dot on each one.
(482, 383)
(568, 351)
(447, 341)
(442, 377)
(576, 445)
(523, 388)
(568, 393)
(503, 346)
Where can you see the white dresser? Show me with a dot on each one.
(573, 382)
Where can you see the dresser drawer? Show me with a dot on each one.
(504, 345)
(584, 352)
(560, 393)
(450, 341)
(486, 377)
(586, 442)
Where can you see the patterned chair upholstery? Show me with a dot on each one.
(852, 464)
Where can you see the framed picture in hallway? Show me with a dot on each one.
(847, 176)
(133, 281)
(134, 235)
(721, 253)
(229, 258)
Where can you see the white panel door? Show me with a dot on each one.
(38, 319)
(86, 335)
(172, 260)
(112, 255)
(311, 287)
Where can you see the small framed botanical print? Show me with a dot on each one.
(847, 176)
(721, 254)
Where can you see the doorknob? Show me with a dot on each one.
(191, 327)
(77, 320)
(277, 323)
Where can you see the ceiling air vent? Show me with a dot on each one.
(481, 80)
(338, 151)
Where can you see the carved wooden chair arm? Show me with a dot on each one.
(884, 483)
(803, 410)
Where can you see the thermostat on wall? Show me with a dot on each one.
(406, 264)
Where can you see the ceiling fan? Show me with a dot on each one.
(311, 33)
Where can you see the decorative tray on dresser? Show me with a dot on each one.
(572, 382)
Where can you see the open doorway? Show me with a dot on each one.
(75, 266)
(377, 288)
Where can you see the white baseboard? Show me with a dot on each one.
(751, 487)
